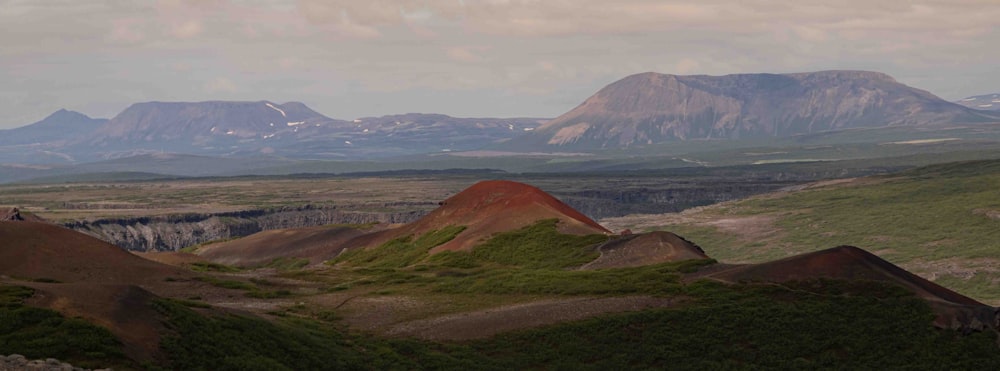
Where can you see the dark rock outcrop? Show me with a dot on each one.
(16, 215)
(11, 215)
(669, 197)
(17, 362)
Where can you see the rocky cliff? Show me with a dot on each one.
(173, 232)
(604, 203)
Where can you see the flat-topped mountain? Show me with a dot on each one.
(173, 120)
(988, 102)
(652, 108)
(201, 124)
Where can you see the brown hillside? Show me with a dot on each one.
(494, 206)
(125, 310)
(33, 250)
(644, 249)
(313, 243)
(852, 263)
(174, 258)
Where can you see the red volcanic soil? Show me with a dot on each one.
(314, 243)
(493, 206)
(644, 249)
(96, 280)
(32, 250)
(852, 263)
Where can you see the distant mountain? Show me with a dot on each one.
(411, 133)
(989, 102)
(61, 125)
(291, 129)
(213, 127)
(651, 108)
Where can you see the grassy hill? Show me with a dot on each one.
(941, 222)
(517, 300)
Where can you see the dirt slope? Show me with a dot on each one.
(174, 258)
(493, 206)
(314, 243)
(852, 263)
(644, 249)
(32, 250)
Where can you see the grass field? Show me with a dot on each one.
(941, 222)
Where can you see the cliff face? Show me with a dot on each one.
(651, 108)
(169, 233)
(604, 203)
(597, 200)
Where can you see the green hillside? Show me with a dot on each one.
(941, 222)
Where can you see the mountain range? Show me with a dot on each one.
(651, 108)
(989, 102)
(639, 110)
(244, 129)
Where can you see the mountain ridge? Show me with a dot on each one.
(253, 128)
(986, 102)
(60, 125)
(650, 107)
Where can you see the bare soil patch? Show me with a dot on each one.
(174, 258)
(314, 243)
(756, 227)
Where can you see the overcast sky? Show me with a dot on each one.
(485, 58)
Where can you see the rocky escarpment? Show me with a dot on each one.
(173, 232)
(677, 196)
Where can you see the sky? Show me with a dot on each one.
(468, 58)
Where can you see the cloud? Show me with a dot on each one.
(220, 85)
(187, 29)
(336, 51)
(465, 54)
(126, 31)
(686, 66)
